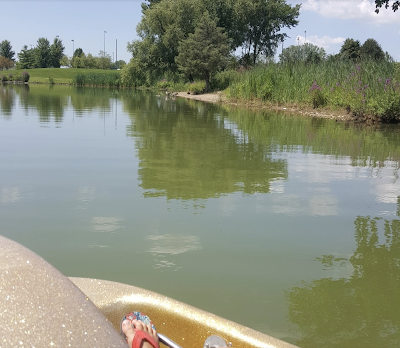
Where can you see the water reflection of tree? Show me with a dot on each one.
(47, 100)
(7, 101)
(361, 310)
(186, 152)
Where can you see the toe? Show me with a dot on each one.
(127, 329)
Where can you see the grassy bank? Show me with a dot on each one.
(59, 76)
(369, 90)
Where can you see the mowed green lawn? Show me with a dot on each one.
(59, 75)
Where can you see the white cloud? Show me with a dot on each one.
(325, 41)
(351, 9)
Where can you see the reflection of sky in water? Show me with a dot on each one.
(240, 135)
(10, 195)
(171, 244)
(324, 205)
(105, 224)
(86, 194)
(167, 245)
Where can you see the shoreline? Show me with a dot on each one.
(219, 98)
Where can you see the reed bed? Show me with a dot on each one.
(97, 80)
(367, 90)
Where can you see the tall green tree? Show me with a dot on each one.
(56, 53)
(42, 53)
(350, 49)
(205, 51)
(371, 49)
(26, 58)
(6, 50)
(386, 4)
(263, 21)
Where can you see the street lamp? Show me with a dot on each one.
(104, 50)
(73, 42)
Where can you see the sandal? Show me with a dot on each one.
(139, 334)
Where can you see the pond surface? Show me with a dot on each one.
(285, 224)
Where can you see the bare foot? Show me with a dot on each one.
(128, 329)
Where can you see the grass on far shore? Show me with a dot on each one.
(58, 75)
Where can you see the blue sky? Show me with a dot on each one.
(326, 23)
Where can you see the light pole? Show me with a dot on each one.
(305, 36)
(104, 50)
(73, 43)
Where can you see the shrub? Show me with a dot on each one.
(197, 87)
(25, 76)
(317, 96)
(164, 84)
(4, 78)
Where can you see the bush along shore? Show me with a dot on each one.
(15, 76)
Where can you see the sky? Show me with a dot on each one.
(94, 25)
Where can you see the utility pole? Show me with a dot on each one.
(104, 50)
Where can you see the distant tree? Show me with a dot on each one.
(119, 64)
(350, 49)
(78, 52)
(371, 49)
(205, 51)
(78, 61)
(42, 53)
(56, 53)
(65, 61)
(6, 50)
(6, 63)
(385, 3)
(90, 62)
(103, 60)
(307, 53)
(26, 58)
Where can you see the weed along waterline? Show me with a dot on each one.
(297, 213)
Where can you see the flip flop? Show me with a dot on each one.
(139, 335)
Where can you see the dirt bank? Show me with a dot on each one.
(218, 97)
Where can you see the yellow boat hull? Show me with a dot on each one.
(41, 307)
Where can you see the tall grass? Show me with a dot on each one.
(97, 79)
(369, 89)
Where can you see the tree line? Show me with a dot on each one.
(350, 50)
(196, 38)
(199, 37)
(46, 55)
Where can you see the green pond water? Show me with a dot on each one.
(287, 225)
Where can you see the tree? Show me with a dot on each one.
(65, 61)
(6, 50)
(370, 49)
(26, 58)
(307, 53)
(263, 21)
(350, 49)
(6, 63)
(56, 53)
(205, 51)
(380, 3)
(90, 62)
(42, 53)
(103, 60)
(78, 52)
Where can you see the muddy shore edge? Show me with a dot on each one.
(219, 98)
